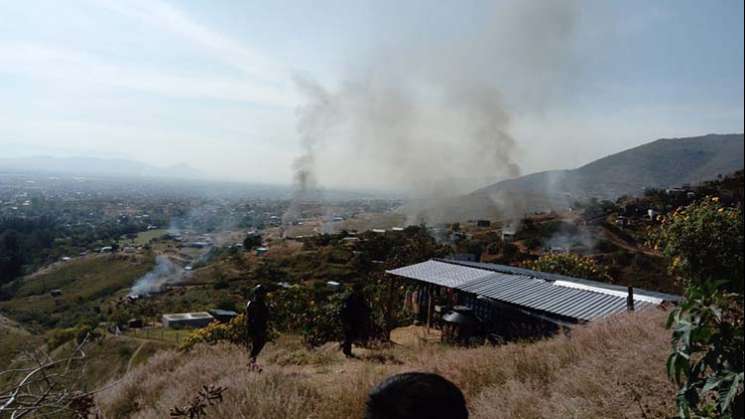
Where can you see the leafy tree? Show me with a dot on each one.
(707, 358)
(704, 243)
(569, 264)
(252, 241)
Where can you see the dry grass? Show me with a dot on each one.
(611, 369)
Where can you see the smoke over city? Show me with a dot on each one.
(419, 115)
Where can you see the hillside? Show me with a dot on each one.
(593, 374)
(84, 284)
(14, 339)
(660, 164)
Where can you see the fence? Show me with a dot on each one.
(160, 333)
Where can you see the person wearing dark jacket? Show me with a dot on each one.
(257, 317)
(354, 317)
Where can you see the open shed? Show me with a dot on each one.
(515, 302)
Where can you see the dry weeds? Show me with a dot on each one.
(610, 369)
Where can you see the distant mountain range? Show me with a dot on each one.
(92, 166)
(660, 164)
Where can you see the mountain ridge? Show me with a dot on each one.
(96, 166)
(663, 163)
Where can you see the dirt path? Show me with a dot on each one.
(134, 355)
(618, 241)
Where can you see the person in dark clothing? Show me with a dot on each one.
(416, 395)
(257, 317)
(354, 317)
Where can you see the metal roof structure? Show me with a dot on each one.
(641, 294)
(545, 294)
(442, 274)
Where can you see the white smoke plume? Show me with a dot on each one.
(567, 239)
(419, 114)
(165, 272)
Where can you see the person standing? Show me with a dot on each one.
(257, 318)
(354, 317)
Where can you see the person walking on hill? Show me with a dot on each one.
(257, 317)
(354, 317)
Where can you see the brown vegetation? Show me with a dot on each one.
(612, 368)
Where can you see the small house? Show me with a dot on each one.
(187, 320)
(508, 236)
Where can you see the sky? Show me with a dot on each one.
(216, 85)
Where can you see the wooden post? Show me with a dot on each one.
(429, 309)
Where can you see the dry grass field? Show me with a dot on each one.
(610, 369)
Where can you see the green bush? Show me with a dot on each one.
(233, 332)
(58, 337)
(707, 358)
(569, 264)
(704, 242)
(312, 312)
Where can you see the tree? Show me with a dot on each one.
(252, 241)
(704, 243)
(569, 264)
(51, 385)
(11, 257)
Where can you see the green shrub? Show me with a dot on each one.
(233, 332)
(58, 337)
(704, 242)
(569, 264)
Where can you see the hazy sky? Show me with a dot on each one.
(212, 83)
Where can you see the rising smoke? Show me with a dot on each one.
(165, 272)
(419, 114)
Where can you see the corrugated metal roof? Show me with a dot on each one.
(526, 291)
(442, 274)
(556, 277)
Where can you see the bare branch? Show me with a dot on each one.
(49, 387)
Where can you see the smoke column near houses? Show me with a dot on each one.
(164, 272)
(411, 115)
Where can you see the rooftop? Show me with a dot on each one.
(543, 293)
(185, 316)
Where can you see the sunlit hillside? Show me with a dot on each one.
(610, 369)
